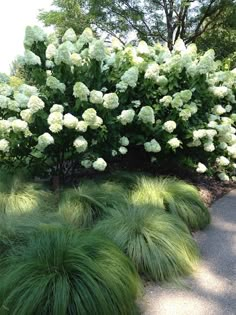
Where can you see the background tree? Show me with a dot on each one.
(155, 20)
(66, 14)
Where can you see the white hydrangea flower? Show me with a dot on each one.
(35, 104)
(69, 35)
(57, 108)
(222, 161)
(136, 103)
(123, 150)
(199, 134)
(81, 91)
(90, 116)
(126, 116)
(130, 77)
(76, 59)
(70, 121)
(19, 125)
(223, 176)
(201, 168)
(56, 127)
(4, 145)
(169, 126)
(44, 141)
(4, 101)
(162, 81)
(49, 64)
(82, 126)
(186, 95)
(116, 43)
(97, 50)
(185, 114)
(219, 91)
(177, 101)
(174, 143)
(219, 110)
(179, 46)
(80, 144)
(96, 97)
(14, 106)
(209, 146)
(212, 124)
(33, 34)
(232, 151)
(5, 89)
(166, 100)
(228, 108)
(31, 59)
(5, 126)
(206, 63)
(97, 123)
(124, 141)
(86, 163)
(111, 100)
(152, 71)
(55, 84)
(146, 115)
(152, 146)
(143, 48)
(27, 115)
(63, 54)
(100, 164)
(223, 145)
(114, 153)
(194, 143)
(51, 51)
(55, 118)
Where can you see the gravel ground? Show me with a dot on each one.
(212, 289)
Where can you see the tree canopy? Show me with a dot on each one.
(152, 21)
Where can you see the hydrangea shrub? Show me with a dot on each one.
(87, 101)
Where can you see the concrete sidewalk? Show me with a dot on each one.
(212, 289)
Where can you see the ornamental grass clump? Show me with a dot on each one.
(16, 229)
(19, 196)
(175, 196)
(84, 205)
(159, 244)
(63, 272)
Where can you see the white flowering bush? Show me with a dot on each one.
(85, 103)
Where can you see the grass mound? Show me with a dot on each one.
(17, 229)
(174, 196)
(158, 243)
(82, 206)
(20, 196)
(63, 272)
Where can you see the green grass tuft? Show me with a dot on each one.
(158, 243)
(86, 204)
(63, 272)
(19, 196)
(174, 196)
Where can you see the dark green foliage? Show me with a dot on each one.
(82, 206)
(19, 196)
(159, 244)
(174, 196)
(62, 272)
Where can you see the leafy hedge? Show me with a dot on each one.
(86, 101)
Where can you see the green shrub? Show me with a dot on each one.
(159, 244)
(19, 196)
(82, 206)
(174, 196)
(63, 272)
(85, 102)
